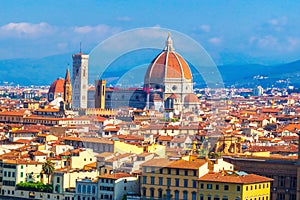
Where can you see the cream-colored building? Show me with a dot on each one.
(44, 138)
(81, 157)
(65, 179)
(39, 156)
(22, 134)
(24, 194)
(116, 186)
(18, 171)
(60, 148)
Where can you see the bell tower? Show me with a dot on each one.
(68, 91)
(80, 80)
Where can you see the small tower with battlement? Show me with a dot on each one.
(100, 94)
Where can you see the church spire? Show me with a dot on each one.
(68, 77)
(68, 90)
(169, 43)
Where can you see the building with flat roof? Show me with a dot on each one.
(162, 178)
(234, 185)
(284, 172)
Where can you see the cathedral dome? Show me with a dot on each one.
(191, 98)
(57, 86)
(56, 89)
(167, 65)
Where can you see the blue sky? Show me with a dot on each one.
(232, 31)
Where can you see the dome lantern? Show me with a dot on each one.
(169, 43)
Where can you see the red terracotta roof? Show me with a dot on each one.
(292, 128)
(22, 141)
(83, 139)
(270, 110)
(115, 176)
(67, 153)
(99, 118)
(57, 86)
(180, 164)
(223, 177)
(39, 153)
(26, 131)
(47, 110)
(13, 113)
(168, 64)
(164, 138)
(280, 148)
(191, 98)
(21, 161)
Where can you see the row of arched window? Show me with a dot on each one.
(86, 189)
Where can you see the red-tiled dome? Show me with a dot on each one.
(168, 64)
(57, 86)
(191, 98)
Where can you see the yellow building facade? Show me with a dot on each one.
(200, 179)
(164, 179)
(123, 147)
(229, 185)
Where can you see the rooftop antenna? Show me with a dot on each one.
(80, 48)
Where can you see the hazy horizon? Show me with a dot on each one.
(232, 32)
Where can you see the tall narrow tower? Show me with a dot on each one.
(68, 91)
(80, 79)
(100, 94)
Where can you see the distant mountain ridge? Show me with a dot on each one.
(265, 75)
(43, 71)
(34, 71)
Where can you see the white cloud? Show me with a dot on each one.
(215, 40)
(264, 42)
(281, 21)
(267, 41)
(88, 29)
(24, 29)
(277, 24)
(58, 39)
(275, 43)
(99, 29)
(273, 22)
(205, 28)
(293, 43)
(200, 29)
(124, 18)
